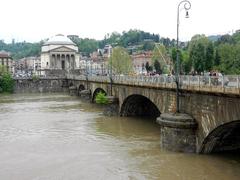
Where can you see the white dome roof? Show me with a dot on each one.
(59, 39)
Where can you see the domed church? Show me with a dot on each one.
(59, 52)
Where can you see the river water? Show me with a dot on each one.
(55, 136)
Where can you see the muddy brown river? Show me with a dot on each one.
(56, 137)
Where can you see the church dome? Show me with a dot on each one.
(59, 39)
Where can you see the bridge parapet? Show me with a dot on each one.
(228, 85)
(208, 84)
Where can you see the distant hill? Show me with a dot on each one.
(214, 37)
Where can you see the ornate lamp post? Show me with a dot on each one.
(111, 80)
(184, 125)
(86, 71)
(187, 6)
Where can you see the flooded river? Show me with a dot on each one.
(55, 136)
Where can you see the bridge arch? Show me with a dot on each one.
(80, 88)
(225, 137)
(96, 91)
(70, 84)
(139, 105)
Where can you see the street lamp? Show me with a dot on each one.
(187, 6)
(110, 61)
(86, 70)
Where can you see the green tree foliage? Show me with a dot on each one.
(21, 49)
(174, 58)
(6, 83)
(197, 57)
(167, 42)
(236, 37)
(134, 37)
(229, 58)
(227, 52)
(148, 46)
(121, 61)
(86, 46)
(186, 63)
(201, 53)
(113, 39)
(225, 39)
(148, 67)
(217, 58)
(157, 67)
(160, 55)
(209, 59)
(101, 98)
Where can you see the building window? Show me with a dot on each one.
(47, 63)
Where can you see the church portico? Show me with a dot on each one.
(59, 53)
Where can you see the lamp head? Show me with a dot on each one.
(187, 15)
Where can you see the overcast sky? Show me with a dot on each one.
(34, 20)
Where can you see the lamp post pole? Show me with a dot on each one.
(110, 61)
(187, 6)
(86, 68)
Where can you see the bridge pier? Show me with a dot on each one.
(112, 109)
(177, 132)
(73, 90)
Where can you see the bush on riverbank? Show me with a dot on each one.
(6, 83)
(101, 98)
(35, 77)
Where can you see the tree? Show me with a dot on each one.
(160, 55)
(157, 67)
(229, 58)
(87, 45)
(148, 46)
(209, 61)
(217, 58)
(186, 63)
(197, 56)
(147, 67)
(184, 60)
(6, 83)
(225, 39)
(236, 37)
(120, 61)
(201, 53)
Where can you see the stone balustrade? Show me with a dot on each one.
(210, 84)
(223, 84)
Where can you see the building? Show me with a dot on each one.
(59, 52)
(6, 61)
(27, 65)
(139, 61)
(107, 51)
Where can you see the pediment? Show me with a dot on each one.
(63, 49)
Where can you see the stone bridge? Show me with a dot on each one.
(213, 104)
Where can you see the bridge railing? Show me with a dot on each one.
(217, 84)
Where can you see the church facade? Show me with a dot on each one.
(60, 53)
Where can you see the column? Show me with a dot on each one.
(63, 61)
(72, 61)
(58, 64)
(53, 61)
(67, 61)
